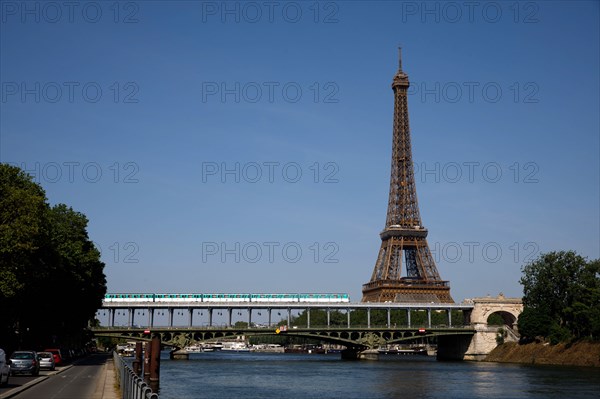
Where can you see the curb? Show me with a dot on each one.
(16, 391)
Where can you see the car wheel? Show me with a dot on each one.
(35, 373)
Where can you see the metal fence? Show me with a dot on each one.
(132, 386)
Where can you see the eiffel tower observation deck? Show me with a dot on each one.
(404, 239)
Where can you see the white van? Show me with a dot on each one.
(4, 369)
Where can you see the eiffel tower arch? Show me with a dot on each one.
(404, 239)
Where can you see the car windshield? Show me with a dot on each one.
(45, 354)
(22, 355)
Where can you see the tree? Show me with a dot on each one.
(561, 297)
(534, 323)
(78, 271)
(47, 265)
(23, 231)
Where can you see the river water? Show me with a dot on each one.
(227, 375)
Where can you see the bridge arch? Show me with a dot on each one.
(508, 318)
(507, 308)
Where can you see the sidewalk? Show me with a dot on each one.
(107, 383)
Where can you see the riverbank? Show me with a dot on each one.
(577, 354)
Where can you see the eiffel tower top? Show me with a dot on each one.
(401, 78)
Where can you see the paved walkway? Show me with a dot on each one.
(107, 384)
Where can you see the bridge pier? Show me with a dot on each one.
(480, 344)
(179, 354)
(369, 354)
(360, 354)
(453, 347)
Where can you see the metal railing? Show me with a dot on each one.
(131, 385)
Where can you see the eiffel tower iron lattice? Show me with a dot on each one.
(404, 232)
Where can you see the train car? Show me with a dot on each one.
(324, 298)
(129, 298)
(178, 298)
(274, 298)
(226, 297)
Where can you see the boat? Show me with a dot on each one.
(199, 347)
(208, 348)
(126, 350)
(268, 348)
(196, 348)
(235, 346)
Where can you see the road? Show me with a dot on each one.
(83, 380)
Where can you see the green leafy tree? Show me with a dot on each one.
(78, 271)
(51, 276)
(534, 322)
(23, 232)
(561, 297)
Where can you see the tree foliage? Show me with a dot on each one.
(561, 297)
(51, 276)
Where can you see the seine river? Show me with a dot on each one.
(227, 375)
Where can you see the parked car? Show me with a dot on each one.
(24, 362)
(46, 360)
(58, 359)
(4, 368)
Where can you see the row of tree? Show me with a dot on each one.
(377, 318)
(561, 298)
(51, 276)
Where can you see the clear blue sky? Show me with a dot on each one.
(503, 110)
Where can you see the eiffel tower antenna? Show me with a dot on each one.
(399, 58)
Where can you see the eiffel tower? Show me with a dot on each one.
(404, 232)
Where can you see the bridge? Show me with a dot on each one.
(469, 338)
